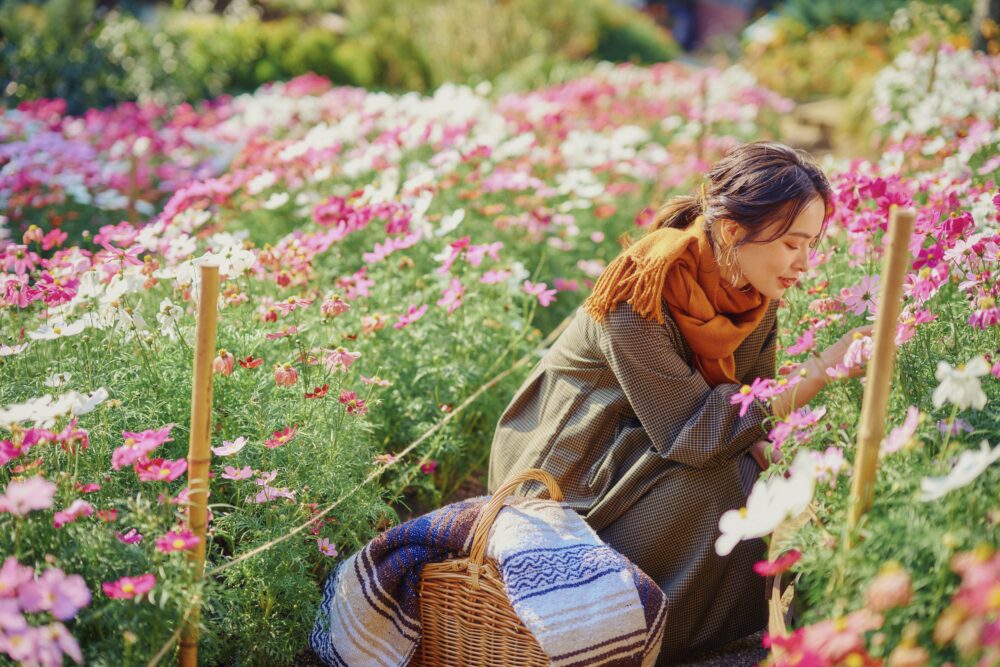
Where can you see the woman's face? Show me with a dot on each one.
(775, 266)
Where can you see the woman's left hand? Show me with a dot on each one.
(758, 451)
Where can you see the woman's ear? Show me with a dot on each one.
(732, 232)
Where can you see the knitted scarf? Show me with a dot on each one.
(679, 266)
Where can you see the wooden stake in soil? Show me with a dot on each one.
(199, 454)
(879, 374)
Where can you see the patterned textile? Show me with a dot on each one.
(583, 602)
(651, 456)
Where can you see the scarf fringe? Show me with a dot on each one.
(636, 281)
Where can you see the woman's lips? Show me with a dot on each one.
(787, 282)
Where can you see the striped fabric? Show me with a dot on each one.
(651, 456)
(585, 603)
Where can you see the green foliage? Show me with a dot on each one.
(177, 55)
(821, 13)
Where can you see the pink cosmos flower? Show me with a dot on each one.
(804, 343)
(341, 359)
(474, 254)
(455, 249)
(902, 435)
(333, 306)
(236, 474)
(749, 393)
(160, 470)
(862, 297)
(429, 467)
(23, 496)
(353, 404)
(139, 445)
(292, 303)
(127, 588)
(376, 380)
(282, 437)
(76, 509)
(326, 548)
(781, 564)
(282, 333)
(798, 423)
(131, 536)
(269, 493)
(121, 256)
(230, 447)
(412, 315)
(55, 592)
(829, 464)
(285, 375)
(540, 290)
(177, 541)
(87, 488)
(452, 296)
(13, 575)
(494, 276)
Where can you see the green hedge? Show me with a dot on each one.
(173, 55)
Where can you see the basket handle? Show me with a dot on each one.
(478, 552)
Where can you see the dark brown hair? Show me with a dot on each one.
(755, 185)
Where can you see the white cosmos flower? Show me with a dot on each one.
(960, 385)
(450, 222)
(275, 201)
(57, 380)
(970, 465)
(10, 350)
(769, 503)
(169, 318)
(44, 410)
(84, 403)
(57, 329)
(230, 447)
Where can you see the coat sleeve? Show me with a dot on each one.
(687, 420)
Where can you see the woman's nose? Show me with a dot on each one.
(801, 262)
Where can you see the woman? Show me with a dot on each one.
(630, 408)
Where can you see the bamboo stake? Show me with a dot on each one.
(199, 454)
(875, 401)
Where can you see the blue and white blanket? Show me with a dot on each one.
(585, 603)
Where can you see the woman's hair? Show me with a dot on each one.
(755, 185)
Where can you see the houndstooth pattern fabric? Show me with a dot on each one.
(651, 456)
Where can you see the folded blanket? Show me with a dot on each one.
(585, 603)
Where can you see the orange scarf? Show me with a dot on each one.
(679, 265)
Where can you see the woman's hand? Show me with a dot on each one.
(834, 354)
(758, 451)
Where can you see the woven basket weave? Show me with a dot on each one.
(465, 616)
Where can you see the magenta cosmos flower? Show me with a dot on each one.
(282, 437)
(160, 470)
(138, 445)
(127, 588)
(177, 541)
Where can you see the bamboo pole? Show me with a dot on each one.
(879, 373)
(199, 454)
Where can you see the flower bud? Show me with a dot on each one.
(224, 363)
(33, 235)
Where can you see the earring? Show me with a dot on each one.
(732, 263)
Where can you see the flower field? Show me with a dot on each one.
(384, 256)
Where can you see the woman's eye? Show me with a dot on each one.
(792, 246)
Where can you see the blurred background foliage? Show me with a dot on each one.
(93, 54)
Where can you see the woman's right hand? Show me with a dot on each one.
(834, 354)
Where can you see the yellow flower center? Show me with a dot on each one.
(129, 442)
(840, 623)
(128, 588)
(57, 330)
(743, 512)
(987, 302)
(857, 336)
(854, 660)
(178, 543)
(164, 472)
(925, 273)
(745, 389)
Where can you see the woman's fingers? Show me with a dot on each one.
(759, 452)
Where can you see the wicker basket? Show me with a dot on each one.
(465, 616)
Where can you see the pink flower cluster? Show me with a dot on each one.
(23, 591)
